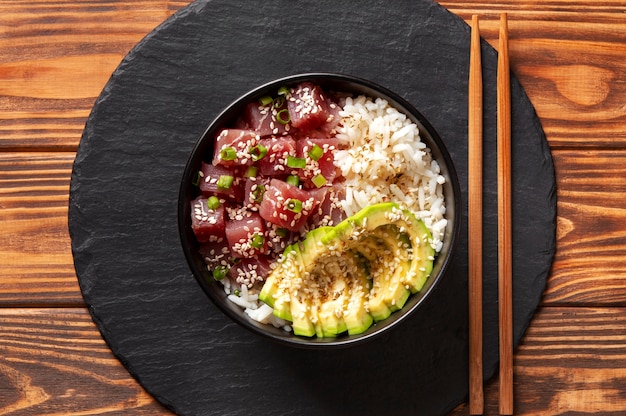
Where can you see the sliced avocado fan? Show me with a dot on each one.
(344, 278)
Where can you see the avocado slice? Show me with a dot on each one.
(343, 278)
(356, 316)
(333, 305)
(374, 216)
(274, 291)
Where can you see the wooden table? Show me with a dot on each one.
(55, 58)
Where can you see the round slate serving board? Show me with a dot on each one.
(123, 198)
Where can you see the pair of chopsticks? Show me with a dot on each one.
(475, 215)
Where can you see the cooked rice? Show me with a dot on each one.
(386, 160)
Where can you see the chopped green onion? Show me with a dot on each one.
(257, 194)
(294, 205)
(296, 162)
(196, 178)
(220, 272)
(283, 91)
(282, 232)
(316, 152)
(293, 180)
(213, 202)
(278, 102)
(225, 182)
(237, 292)
(258, 152)
(251, 172)
(318, 180)
(283, 116)
(257, 241)
(228, 153)
(267, 100)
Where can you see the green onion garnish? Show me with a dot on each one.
(225, 182)
(293, 180)
(278, 102)
(318, 180)
(294, 205)
(283, 91)
(220, 272)
(196, 178)
(296, 162)
(282, 232)
(213, 202)
(267, 100)
(257, 194)
(257, 241)
(283, 116)
(258, 152)
(316, 152)
(237, 292)
(251, 172)
(228, 153)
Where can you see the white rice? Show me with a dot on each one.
(386, 160)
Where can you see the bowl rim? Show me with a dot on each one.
(325, 78)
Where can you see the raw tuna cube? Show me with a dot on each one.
(274, 163)
(246, 235)
(216, 253)
(307, 105)
(286, 205)
(207, 224)
(254, 191)
(232, 147)
(216, 180)
(250, 270)
(330, 211)
(263, 119)
(320, 160)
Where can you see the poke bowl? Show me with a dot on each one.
(319, 210)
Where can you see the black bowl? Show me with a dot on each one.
(203, 151)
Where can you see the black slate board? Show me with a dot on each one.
(122, 213)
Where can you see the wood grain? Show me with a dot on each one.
(567, 56)
(54, 362)
(55, 59)
(571, 361)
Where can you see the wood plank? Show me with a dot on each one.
(55, 362)
(57, 57)
(574, 78)
(571, 360)
(589, 266)
(37, 264)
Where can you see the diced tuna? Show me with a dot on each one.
(207, 224)
(254, 191)
(222, 181)
(246, 235)
(286, 205)
(320, 160)
(307, 105)
(330, 211)
(263, 119)
(216, 253)
(279, 148)
(232, 147)
(250, 270)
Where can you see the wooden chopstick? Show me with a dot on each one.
(475, 226)
(505, 289)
